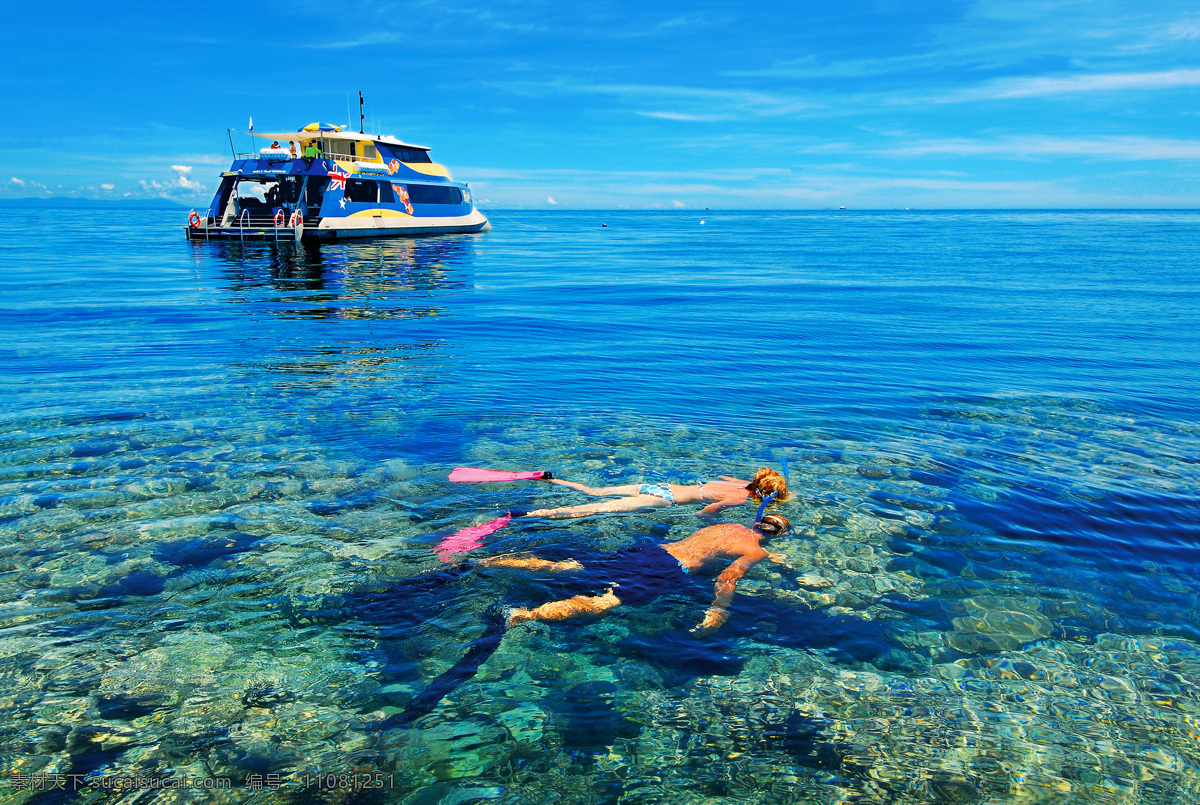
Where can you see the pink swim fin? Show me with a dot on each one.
(474, 475)
(470, 538)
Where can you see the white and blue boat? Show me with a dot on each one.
(323, 183)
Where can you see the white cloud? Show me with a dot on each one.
(550, 200)
(725, 101)
(1183, 30)
(1075, 85)
(1111, 148)
(1167, 35)
(107, 186)
(16, 183)
(182, 179)
(686, 117)
(678, 204)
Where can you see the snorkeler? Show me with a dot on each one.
(722, 494)
(640, 573)
(728, 491)
(633, 576)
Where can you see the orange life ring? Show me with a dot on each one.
(194, 219)
(296, 219)
(279, 218)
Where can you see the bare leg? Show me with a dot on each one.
(576, 607)
(598, 492)
(531, 563)
(627, 504)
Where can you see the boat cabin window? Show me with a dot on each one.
(267, 194)
(411, 155)
(434, 194)
(362, 190)
(340, 148)
(386, 196)
(368, 151)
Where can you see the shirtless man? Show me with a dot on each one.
(641, 573)
(718, 495)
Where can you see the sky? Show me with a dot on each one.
(867, 104)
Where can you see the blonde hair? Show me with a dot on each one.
(765, 482)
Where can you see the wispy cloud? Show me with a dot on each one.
(685, 117)
(1077, 84)
(725, 101)
(1162, 36)
(1184, 30)
(1035, 147)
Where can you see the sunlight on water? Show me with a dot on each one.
(223, 471)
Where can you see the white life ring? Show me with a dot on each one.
(296, 219)
(279, 218)
(194, 219)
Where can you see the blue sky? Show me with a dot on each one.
(798, 105)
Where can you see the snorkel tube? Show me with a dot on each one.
(763, 507)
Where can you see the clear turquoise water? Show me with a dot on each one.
(223, 471)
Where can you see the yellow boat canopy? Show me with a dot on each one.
(304, 136)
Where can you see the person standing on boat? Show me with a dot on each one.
(292, 148)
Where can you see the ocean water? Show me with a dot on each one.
(223, 472)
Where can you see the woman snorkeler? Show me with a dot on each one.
(722, 494)
(767, 485)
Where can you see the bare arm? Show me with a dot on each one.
(723, 503)
(780, 559)
(600, 492)
(718, 613)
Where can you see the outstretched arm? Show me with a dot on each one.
(723, 503)
(780, 559)
(718, 613)
(599, 492)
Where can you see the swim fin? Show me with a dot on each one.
(469, 538)
(475, 475)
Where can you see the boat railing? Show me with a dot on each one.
(248, 226)
(351, 157)
(378, 160)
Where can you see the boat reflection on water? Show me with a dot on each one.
(341, 271)
(366, 284)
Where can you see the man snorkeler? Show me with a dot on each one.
(722, 494)
(633, 576)
(640, 573)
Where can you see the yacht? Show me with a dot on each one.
(323, 183)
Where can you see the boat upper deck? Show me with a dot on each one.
(354, 152)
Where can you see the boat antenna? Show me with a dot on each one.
(232, 150)
(361, 116)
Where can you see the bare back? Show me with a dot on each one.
(725, 541)
(718, 494)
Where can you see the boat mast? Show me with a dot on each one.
(361, 116)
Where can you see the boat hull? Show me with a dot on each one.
(333, 229)
(389, 226)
